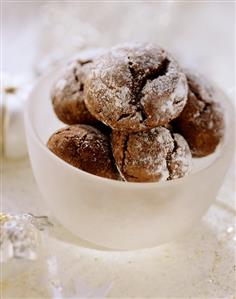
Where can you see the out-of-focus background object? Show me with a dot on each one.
(20, 242)
(37, 35)
(14, 92)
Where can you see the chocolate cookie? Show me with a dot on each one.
(68, 92)
(201, 122)
(135, 87)
(154, 155)
(86, 148)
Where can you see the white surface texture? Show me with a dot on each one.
(202, 35)
(200, 265)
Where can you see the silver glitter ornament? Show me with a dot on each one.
(20, 241)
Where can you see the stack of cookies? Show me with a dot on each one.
(134, 115)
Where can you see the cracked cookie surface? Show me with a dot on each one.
(135, 87)
(86, 148)
(149, 156)
(201, 121)
(67, 93)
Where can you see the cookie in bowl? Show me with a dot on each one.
(135, 87)
(201, 122)
(132, 214)
(86, 148)
(151, 156)
(67, 93)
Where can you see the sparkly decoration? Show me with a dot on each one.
(40, 222)
(20, 236)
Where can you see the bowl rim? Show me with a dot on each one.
(29, 127)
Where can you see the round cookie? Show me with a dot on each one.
(148, 156)
(86, 148)
(135, 87)
(201, 122)
(67, 93)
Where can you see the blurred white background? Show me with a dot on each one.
(200, 33)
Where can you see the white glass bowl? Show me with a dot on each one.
(113, 214)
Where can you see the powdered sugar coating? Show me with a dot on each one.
(68, 91)
(180, 160)
(201, 121)
(154, 155)
(135, 87)
(86, 148)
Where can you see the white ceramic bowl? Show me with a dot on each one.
(113, 214)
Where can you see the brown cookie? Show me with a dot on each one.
(154, 155)
(67, 93)
(135, 87)
(86, 148)
(201, 122)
